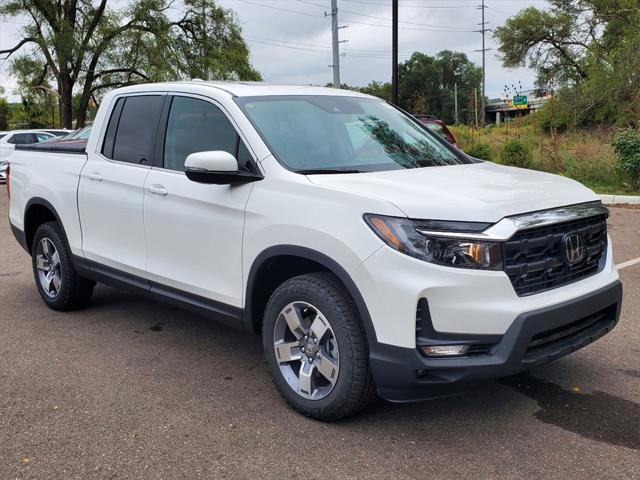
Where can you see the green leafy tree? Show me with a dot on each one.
(627, 147)
(427, 84)
(378, 89)
(4, 114)
(587, 50)
(88, 47)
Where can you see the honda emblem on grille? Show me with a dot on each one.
(574, 248)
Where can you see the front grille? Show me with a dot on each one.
(534, 259)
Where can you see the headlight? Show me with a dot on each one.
(401, 234)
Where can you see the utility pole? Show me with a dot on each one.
(335, 43)
(455, 100)
(394, 51)
(483, 30)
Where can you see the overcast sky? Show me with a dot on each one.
(290, 40)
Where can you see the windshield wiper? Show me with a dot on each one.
(313, 171)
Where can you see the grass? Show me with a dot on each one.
(586, 156)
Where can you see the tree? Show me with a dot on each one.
(87, 47)
(587, 50)
(427, 84)
(547, 41)
(378, 89)
(4, 113)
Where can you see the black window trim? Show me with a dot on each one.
(158, 162)
(103, 134)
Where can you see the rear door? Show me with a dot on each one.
(110, 195)
(194, 231)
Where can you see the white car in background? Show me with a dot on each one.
(9, 140)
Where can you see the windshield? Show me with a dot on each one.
(437, 129)
(336, 133)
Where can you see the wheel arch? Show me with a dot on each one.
(36, 212)
(261, 274)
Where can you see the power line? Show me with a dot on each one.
(457, 29)
(318, 48)
(364, 2)
(349, 20)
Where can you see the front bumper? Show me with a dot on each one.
(534, 338)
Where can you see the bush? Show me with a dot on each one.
(626, 144)
(553, 116)
(479, 150)
(516, 153)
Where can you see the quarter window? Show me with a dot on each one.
(198, 126)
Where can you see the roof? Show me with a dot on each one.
(28, 130)
(251, 89)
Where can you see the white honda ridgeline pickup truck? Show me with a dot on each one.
(373, 257)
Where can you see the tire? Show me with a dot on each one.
(60, 287)
(342, 348)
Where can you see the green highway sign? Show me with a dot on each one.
(520, 101)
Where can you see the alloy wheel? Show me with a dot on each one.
(306, 350)
(48, 266)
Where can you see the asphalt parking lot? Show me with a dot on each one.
(129, 388)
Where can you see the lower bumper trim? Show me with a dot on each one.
(534, 338)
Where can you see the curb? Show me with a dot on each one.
(614, 199)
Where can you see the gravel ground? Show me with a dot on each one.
(130, 388)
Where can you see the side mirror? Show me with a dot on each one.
(216, 167)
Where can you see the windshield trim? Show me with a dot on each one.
(242, 101)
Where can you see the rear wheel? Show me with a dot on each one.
(316, 349)
(60, 287)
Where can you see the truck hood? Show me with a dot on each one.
(482, 192)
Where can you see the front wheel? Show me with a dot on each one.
(316, 349)
(60, 287)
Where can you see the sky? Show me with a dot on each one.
(290, 40)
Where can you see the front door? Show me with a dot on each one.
(194, 231)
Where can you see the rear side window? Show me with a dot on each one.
(22, 139)
(197, 126)
(135, 132)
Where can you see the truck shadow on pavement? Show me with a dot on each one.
(216, 353)
(598, 415)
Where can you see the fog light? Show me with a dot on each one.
(445, 350)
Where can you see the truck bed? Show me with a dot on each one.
(71, 146)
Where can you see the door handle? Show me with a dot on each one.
(95, 176)
(158, 190)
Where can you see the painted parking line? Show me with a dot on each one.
(628, 263)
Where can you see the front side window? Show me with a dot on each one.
(314, 132)
(198, 126)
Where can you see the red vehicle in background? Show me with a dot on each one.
(438, 127)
